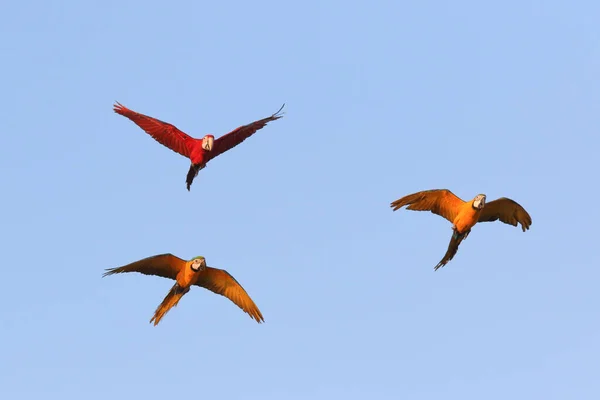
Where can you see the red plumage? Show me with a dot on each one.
(199, 151)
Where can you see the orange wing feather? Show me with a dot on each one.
(238, 135)
(506, 210)
(164, 133)
(164, 265)
(171, 300)
(221, 282)
(439, 201)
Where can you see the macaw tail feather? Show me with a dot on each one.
(192, 173)
(452, 248)
(170, 301)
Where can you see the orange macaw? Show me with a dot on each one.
(186, 274)
(464, 214)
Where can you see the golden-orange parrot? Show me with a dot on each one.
(186, 274)
(464, 214)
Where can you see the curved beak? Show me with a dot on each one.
(480, 202)
(199, 266)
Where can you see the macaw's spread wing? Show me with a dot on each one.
(506, 210)
(165, 265)
(166, 134)
(237, 136)
(439, 201)
(221, 282)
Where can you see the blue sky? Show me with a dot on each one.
(384, 99)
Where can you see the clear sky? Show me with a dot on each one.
(384, 98)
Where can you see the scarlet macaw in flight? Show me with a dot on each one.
(199, 151)
(186, 274)
(464, 214)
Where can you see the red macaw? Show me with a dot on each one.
(199, 151)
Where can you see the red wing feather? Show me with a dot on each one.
(164, 133)
(238, 135)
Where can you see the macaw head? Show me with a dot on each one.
(479, 201)
(207, 142)
(198, 263)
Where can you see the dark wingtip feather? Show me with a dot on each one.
(118, 107)
(396, 205)
(258, 316)
(110, 271)
(279, 114)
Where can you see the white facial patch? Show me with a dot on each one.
(207, 143)
(479, 202)
(196, 265)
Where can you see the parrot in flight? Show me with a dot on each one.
(186, 274)
(199, 151)
(464, 214)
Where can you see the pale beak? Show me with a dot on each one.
(208, 144)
